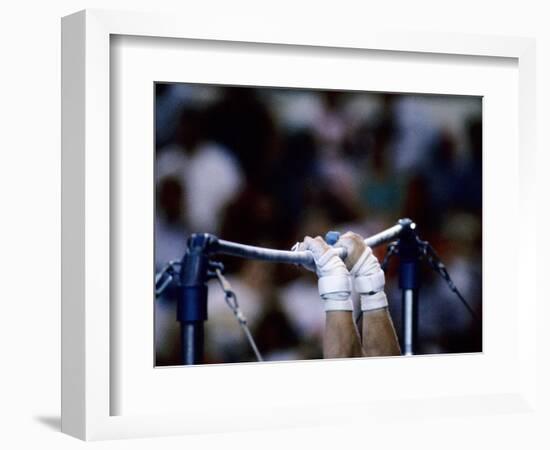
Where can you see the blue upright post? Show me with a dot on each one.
(193, 298)
(409, 256)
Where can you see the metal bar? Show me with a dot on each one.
(192, 343)
(286, 256)
(409, 321)
(384, 236)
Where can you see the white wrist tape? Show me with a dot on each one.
(325, 257)
(366, 253)
(370, 284)
(338, 305)
(374, 301)
(332, 285)
(335, 290)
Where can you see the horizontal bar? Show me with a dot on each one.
(291, 257)
(384, 236)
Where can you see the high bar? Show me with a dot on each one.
(303, 257)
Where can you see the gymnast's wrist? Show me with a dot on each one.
(335, 291)
(373, 301)
(369, 284)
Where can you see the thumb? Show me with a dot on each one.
(317, 246)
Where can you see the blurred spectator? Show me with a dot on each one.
(469, 195)
(441, 171)
(170, 221)
(208, 171)
(380, 190)
(243, 124)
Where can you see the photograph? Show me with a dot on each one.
(303, 224)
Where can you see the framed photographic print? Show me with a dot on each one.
(199, 165)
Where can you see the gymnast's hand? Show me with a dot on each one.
(378, 337)
(334, 279)
(368, 276)
(341, 338)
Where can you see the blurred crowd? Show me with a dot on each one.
(268, 166)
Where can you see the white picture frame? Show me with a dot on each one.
(87, 386)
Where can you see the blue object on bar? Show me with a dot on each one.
(332, 237)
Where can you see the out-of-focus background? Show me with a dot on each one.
(268, 166)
